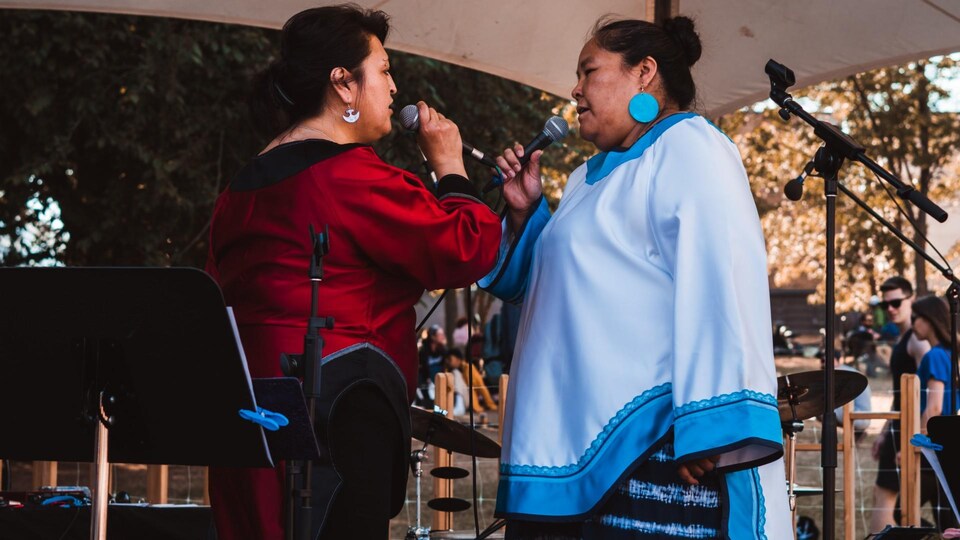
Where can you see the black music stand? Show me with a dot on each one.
(284, 395)
(945, 431)
(906, 533)
(152, 352)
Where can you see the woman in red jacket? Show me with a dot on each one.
(390, 239)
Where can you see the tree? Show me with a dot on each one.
(128, 125)
(894, 115)
(892, 112)
(121, 131)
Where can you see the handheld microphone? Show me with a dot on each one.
(554, 130)
(410, 120)
(794, 188)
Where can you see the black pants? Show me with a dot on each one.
(365, 445)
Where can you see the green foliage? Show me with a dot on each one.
(132, 125)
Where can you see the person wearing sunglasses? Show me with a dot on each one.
(931, 321)
(897, 304)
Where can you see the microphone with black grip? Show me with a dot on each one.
(554, 130)
(410, 120)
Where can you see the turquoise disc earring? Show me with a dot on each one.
(644, 107)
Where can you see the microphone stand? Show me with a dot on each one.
(308, 366)
(828, 160)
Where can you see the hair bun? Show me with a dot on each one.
(682, 31)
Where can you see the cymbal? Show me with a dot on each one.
(807, 390)
(438, 430)
(450, 473)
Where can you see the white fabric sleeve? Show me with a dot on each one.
(708, 231)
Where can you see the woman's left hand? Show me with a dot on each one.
(691, 470)
(521, 183)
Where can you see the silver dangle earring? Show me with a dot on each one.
(351, 115)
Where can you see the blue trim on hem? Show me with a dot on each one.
(761, 506)
(639, 427)
(566, 470)
(718, 401)
(727, 423)
(508, 279)
(746, 513)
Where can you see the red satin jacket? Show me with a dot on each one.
(390, 238)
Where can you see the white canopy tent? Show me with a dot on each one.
(537, 41)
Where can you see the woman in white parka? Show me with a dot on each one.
(645, 331)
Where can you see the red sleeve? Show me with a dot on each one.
(402, 227)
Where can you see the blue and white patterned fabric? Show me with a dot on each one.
(645, 308)
(654, 502)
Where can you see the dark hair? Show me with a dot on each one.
(675, 46)
(897, 282)
(936, 312)
(455, 352)
(312, 43)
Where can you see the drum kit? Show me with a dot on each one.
(433, 427)
(799, 397)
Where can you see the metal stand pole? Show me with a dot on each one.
(418, 531)
(98, 525)
(953, 298)
(828, 450)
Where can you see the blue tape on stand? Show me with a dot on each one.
(924, 442)
(268, 420)
(62, 500)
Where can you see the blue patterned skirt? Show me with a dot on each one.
(652, 502)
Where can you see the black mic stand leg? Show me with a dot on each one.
(494, 527)
(953, 298)
(828, 163)
(299, 488)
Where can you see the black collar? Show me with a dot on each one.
(285, 161)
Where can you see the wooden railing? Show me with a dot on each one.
(909, 416)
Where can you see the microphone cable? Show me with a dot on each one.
(473, 425)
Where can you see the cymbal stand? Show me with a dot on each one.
(792, 427)
(417, 457)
